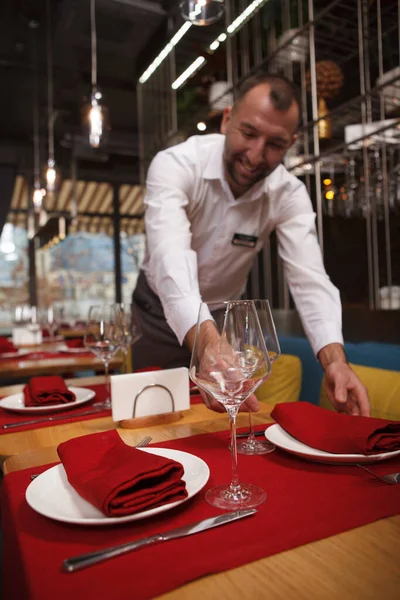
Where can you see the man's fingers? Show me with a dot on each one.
(340, 390)
(251, 404)
(211, 403)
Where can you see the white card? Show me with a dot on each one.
(166, 391)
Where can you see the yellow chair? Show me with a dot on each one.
(383, 388)
(284, 383)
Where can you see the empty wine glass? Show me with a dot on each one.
(251, 445)
(132, 331)
(104, 337)
(49, 321)
(229, 361)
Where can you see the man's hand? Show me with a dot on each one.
(210, 337)
(344, 389)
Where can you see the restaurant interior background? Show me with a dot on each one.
(71, 210)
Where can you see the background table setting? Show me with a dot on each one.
(15, 416)
(51, 358)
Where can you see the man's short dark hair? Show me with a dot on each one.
(283, 92)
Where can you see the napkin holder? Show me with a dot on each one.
(27, 336)
(150, 398)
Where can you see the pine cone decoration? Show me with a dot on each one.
(329, 79)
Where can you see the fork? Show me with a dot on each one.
(144, 442)
(391, 478)
(141, 444)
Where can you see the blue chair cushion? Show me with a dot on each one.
(371, 354)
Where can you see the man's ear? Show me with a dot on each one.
(226, 117)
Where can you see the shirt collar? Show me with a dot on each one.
(214, 167)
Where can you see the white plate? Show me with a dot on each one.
(14, 354)
(74, 350)
(52, 496)
(16, 402)
(281, 438)
(52, 339)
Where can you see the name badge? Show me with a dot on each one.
(241, 239)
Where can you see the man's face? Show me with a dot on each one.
(257, 138)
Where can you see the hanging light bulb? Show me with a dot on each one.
(96, 113)
(51, 176)
(51, 173)
(37, 198)
(95, 119)
(202, 12)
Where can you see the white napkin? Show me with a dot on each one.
(154, 400)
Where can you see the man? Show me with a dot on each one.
(211, 202)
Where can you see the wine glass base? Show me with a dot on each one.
(253, 446)
(247, 496)
(105, 405)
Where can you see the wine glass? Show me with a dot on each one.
(229, 361)
(251, 445)
(130, 324)
(104, 337)
(49, 321)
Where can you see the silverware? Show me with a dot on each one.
(87, 560)
(144, 442)
(247, 433)
(57, 418)
(392, 478)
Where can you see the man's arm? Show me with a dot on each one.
(318, 302)
(171, 267)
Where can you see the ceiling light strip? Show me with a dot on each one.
(164, 52)
(231, 29)
(244, 16)
(199, 62)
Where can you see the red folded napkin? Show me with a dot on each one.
(334, 432)
(47, 391)
(75, 343)
(6, 345)
(118, 479)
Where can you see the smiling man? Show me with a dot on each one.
(211, 203)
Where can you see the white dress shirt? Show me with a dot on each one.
(191, 217)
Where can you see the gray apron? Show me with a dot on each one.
(158, 345)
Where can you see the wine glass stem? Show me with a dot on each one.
(251, 426)
(234, 486)
(107, 377)
(125, 353)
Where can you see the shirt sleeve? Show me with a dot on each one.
(315, 296)
(172, 264)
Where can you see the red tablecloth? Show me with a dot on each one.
(305, 502)
(43, 354)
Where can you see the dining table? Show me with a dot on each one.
(52, 358)
(324, 531)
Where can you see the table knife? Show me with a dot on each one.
(87, 560)
(247, 433)
(57, 418)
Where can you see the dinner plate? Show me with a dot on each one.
(52, 496)
(14, 354)
(75, 350)
(281, 438)
(16, 402)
